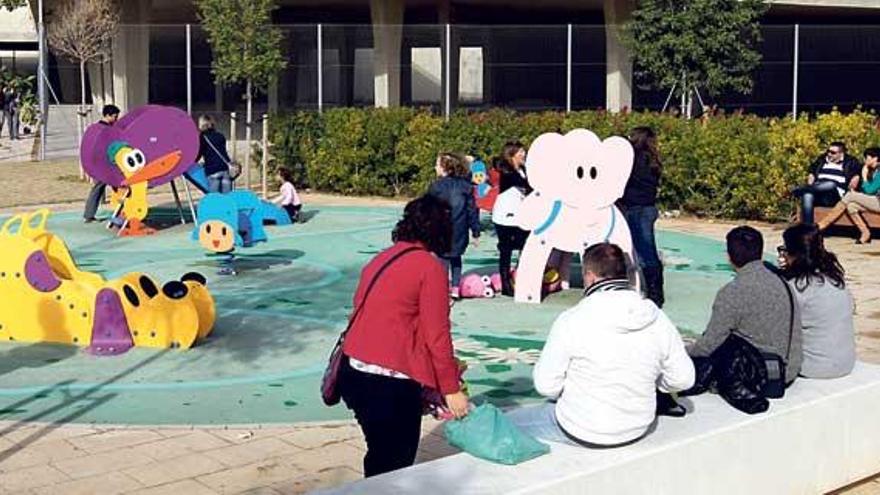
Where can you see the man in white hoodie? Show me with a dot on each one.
(605, 358)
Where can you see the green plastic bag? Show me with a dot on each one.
(488, 434)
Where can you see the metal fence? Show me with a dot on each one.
(561, 67)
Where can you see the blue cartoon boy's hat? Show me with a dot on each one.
(114, 148)
(218, 207)
(478, 166)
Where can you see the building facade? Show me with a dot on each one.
(511, 53)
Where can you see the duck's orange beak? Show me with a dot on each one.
(156, 168)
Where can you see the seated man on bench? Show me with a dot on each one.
(605, 358)
(866, 198)
(831, 176)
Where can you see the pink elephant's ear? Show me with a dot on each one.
(603, 168)
(615, 162)
(546, 161)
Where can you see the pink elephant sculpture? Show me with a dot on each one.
(576, 179)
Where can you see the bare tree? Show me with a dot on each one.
(82, 30)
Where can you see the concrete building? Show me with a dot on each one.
(18, 41)
(501, 53)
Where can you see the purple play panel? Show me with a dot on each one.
(38, 273)
(155, 130)
(110, 335)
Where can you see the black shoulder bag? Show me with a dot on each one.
(329, 384)
(776, 365)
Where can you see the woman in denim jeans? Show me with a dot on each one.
(212, 147)
(640, 208)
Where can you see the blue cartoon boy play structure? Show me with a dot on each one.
(231, 220)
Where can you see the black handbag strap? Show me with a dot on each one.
(228, 163)
(790, 318)
(358, 309)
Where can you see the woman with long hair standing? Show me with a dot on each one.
(640, 209)
(513, 187)
(399, 340)
(826, 304)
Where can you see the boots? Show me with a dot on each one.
(654, 284)
(864, 230)
(832, 216)
(506, 283)
(504, 272)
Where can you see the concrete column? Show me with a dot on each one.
(387, 35)
(131, 56)
(618, 64)
(100, 76)
(107, 82)
(96, 80)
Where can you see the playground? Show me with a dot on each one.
(277, 320)
(187, 333)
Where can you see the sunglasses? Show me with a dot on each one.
(832, 152)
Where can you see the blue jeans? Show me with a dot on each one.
(821, 192)
(12, 118)
(641, 221)
(453, 265)
(540, 422)
(220, 182)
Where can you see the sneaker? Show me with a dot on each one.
(90, 220)
(455, 293)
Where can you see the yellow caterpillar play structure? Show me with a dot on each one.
(46, 298)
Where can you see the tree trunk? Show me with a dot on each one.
(81, 112)
(683, 106)
(247, 136)
(690, 104)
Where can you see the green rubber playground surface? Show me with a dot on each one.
(278, 319)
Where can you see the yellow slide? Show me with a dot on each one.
(47, 298)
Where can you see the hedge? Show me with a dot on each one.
(729, 166)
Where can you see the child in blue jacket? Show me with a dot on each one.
(454, 186)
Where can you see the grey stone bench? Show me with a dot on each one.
(825, 434)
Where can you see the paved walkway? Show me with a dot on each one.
(59, 459)
(46, 459)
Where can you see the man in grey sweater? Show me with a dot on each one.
(755, 304)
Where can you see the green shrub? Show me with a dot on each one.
(729, 166)
(293, 136)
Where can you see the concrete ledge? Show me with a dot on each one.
(822, 436)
